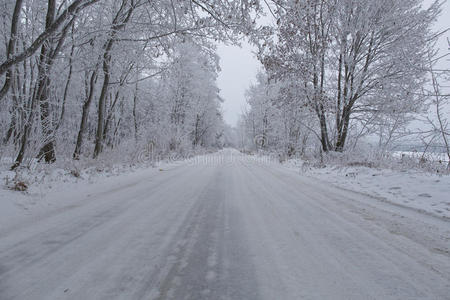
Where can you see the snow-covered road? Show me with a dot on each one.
(226, 229)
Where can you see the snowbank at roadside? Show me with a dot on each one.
(420, 190)
(50, 188)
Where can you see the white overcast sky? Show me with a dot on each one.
(238, 71)
(239, 67)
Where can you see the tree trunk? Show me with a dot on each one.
(11, 46)
(26, 133)
(13, 125)
(342, 135)
(119, 22)
(101, 106)
(135, 98)
(110, 116)
(41, 95)
(85, 115)
(324, 140)
(48, 149)
(11, 129)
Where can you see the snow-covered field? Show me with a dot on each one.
(432, 156)
(419, 190)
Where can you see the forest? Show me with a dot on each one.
(338, 74)
(81, 79)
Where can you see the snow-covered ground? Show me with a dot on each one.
(53, 188)
(225, 226)
(423, 191)
(432, 156)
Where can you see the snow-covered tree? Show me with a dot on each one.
(355, 60)
(74, 75)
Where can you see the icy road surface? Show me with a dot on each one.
(226, 229)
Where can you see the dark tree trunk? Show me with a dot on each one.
(342, 137)
(135, 99)
(11, 129)
(48, 149)
(101, 107)
(85, 114)
(119, 22)
(11, 47)
(26, 133)
(324, 132)
(41, 95)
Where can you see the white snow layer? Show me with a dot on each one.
(233, 229)
(422, 191)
